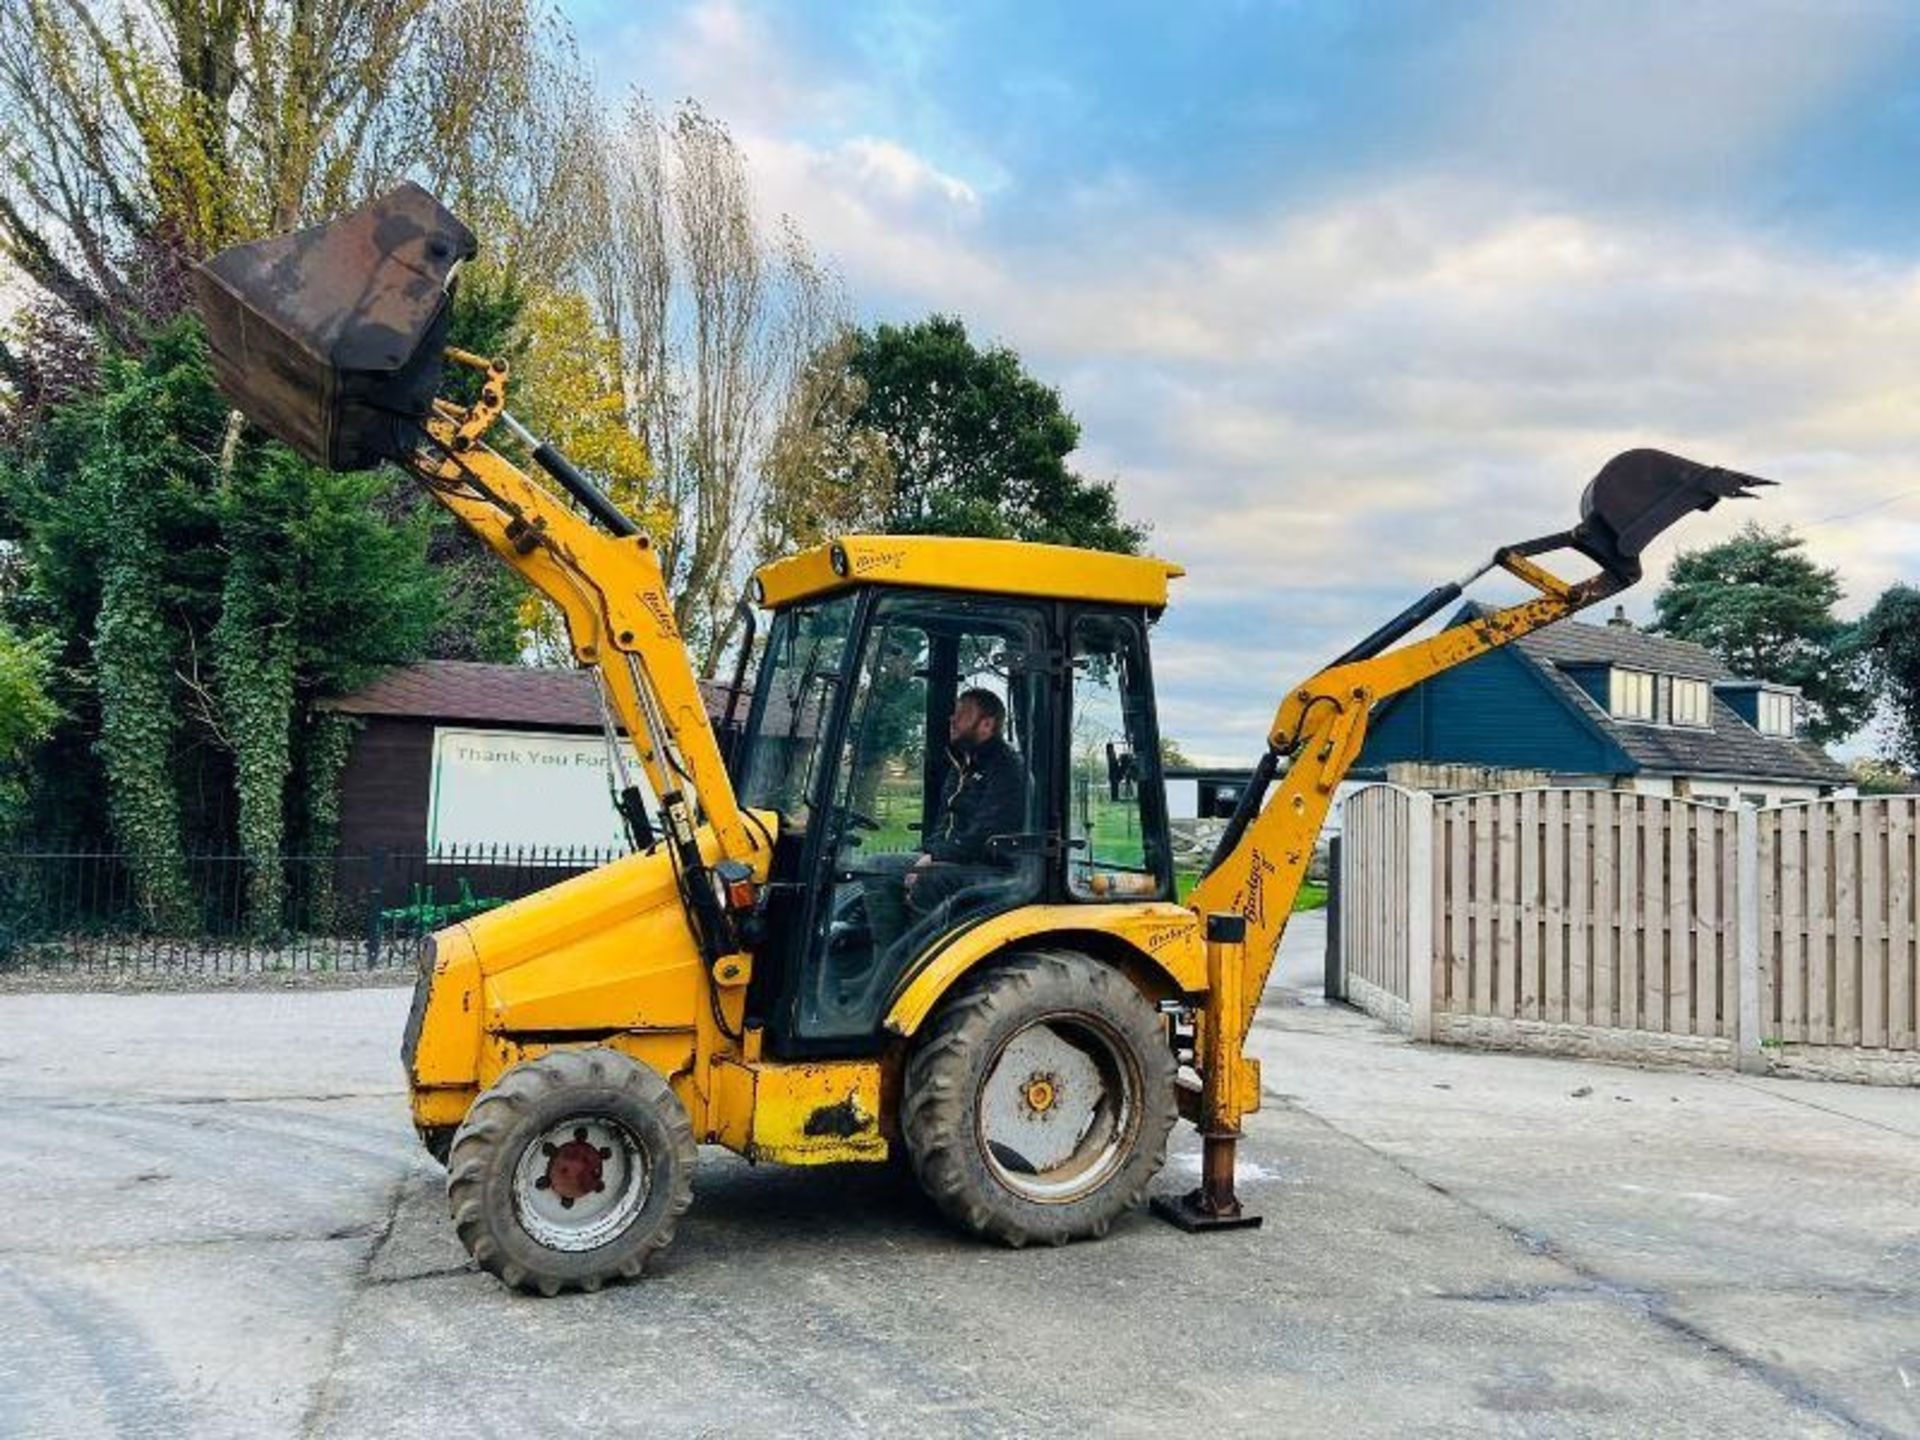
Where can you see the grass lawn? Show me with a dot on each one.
(1311, 896)
(1116, 836)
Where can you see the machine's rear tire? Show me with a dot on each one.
(1037, 1106)
(571, 1171)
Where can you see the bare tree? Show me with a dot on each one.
(718, 316)
(825, 473)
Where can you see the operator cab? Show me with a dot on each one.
(893, 837)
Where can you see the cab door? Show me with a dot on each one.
(919, 651)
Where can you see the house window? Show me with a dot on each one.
(1776, 713)
(1630, 694)
(1690, 700)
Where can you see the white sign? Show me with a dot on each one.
(521, 790)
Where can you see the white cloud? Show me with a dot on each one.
(1327, 408)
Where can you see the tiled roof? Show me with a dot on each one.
(491, 694)
(1573, 642)
(1728, 746)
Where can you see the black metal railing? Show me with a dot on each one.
(79, 912)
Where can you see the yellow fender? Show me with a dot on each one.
(1159, 945)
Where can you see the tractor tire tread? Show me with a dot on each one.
(479, 1169)
(936, 1119)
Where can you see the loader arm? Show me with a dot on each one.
(333, 340)
(612, 594)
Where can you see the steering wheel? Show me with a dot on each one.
(845, 818)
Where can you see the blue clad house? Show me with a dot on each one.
(1607, 706)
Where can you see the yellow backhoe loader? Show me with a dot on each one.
(926, 904)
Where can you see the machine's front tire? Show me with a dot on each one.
(1038, 1104)
(571, 1171)
(437, 1140)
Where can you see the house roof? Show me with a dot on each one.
(465, 690)
(1727, 746)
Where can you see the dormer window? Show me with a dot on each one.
(1776, 714)
(1691, 703)
(1630, 694)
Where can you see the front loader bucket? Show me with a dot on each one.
(330, 338)
(1640, 493)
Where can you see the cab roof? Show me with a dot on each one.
(951, 562)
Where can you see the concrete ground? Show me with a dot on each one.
(215, 1221)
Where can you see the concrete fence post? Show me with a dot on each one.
(1333, 979)
(1747, 1056)
(1420, 913)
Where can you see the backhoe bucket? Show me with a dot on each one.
(1640, 493)
(330, 338)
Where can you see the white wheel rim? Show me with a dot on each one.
(579, 1185)
(1058, 1110)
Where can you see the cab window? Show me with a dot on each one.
(1112, 852)
(798, 681)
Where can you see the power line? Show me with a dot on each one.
(1898, 495)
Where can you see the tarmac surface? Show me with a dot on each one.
(214, 1220)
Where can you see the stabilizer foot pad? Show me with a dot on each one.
(1187, 1213)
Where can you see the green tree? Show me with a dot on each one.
(1888, 642)
(27, 715)
(1760, 604)
(978, 446)
(1881, 777)
(318, 596)
(205, 595)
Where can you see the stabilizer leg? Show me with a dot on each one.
(1224, 1077)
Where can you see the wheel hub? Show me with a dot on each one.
(1041, 1093)
(574, 1169)
(578, 1185)
(1057, 1109)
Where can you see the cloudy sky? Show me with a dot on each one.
(1345, 294)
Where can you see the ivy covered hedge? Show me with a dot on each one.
(191, 589)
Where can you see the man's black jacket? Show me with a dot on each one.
(985, 795)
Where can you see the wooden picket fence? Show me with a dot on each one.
(1377, 895)
(1838, 923)
(1561, 910)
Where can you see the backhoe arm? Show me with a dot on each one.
(1248, 892)
(1321, 726)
